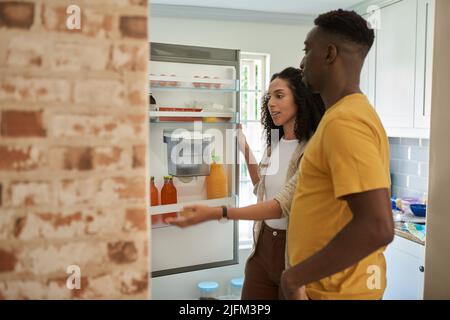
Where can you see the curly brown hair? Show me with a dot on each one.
(310, 107)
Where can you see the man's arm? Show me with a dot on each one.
(371, 228)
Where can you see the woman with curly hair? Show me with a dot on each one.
(290, 115)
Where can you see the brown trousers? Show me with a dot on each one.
(263, 270)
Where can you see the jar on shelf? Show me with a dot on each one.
(208, 290)
(168, 196)
(154, 200)
(217, 181)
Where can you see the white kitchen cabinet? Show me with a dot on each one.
(424, 62)
(397, 74)
(405, 270)
(367, 83)
(395, 66)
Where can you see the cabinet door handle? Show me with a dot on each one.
(421, 269)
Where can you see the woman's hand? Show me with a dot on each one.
(195, 214)
(242, 140)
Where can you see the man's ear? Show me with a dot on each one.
(332, 52)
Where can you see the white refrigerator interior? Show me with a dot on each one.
(196, 91)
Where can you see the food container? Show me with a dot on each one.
(186, 153)
(419, 210)
(406, 202)
(208, 290)
(180, 119)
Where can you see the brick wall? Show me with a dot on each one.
(73, 135)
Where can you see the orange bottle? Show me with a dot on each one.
(168, 196)
(217, 181)
(154, 201)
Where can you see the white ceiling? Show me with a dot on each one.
(307, 7)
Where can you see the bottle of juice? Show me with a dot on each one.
(168, 196)
(154, 201)
(217, 181)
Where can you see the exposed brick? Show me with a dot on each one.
(25, 51)
(133, 282)
(7, 221)
(138, 95)
(29, 193)
(130, 57)
(15, 14)
(20, 157)
(108, 127)
(93, 22)
(54, 18)
(34, 89)
(33, 289)
(69, 224)
(135, 219)
(8, 261)
(22, 124)
(73, 178)
(72, 192)
(111, 158)
(56, 258)
(72, 56)
(113, 189)
(100, 92)
(122, 252)
(72, 158)
(133, 26)
(139, 156)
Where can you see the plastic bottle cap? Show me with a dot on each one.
(237, 282)
(208, 286)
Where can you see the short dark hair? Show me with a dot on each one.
(348, 24)
(310, 107)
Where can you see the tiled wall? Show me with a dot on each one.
(409, 167)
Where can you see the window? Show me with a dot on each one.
(254, 82)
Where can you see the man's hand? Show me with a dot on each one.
(195, 214)
(290, 290)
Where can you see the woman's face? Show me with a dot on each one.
(281, 102)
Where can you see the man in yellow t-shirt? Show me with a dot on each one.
(340, 219)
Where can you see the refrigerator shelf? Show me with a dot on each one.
(177, 116)
(211, 84)
(190, 88)
(230, 201)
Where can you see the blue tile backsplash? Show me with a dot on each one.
(409, 167)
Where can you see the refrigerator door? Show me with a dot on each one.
(197, 94)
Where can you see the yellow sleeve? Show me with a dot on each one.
(353, 157)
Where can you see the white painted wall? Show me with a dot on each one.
(284, 43)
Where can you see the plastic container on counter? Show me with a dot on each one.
(208, 290)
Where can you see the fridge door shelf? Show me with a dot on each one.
(210, 84)
(230, 202)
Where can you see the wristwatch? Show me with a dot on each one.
(224, 218)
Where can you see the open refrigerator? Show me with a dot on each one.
(196, 90)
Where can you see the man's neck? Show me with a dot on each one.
(333, 94)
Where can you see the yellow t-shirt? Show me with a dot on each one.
(349, 153)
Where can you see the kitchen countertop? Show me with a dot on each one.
(405, 234)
